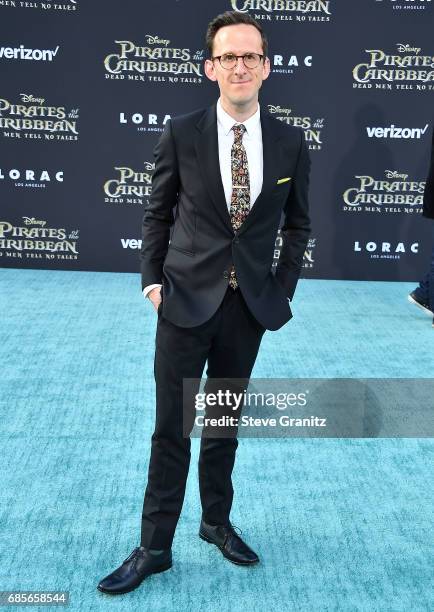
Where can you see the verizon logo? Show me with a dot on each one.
(131, 243)
(396, 132)
(21, 53)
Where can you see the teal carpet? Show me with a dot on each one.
(343, 524)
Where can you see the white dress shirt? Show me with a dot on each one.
(252, 141)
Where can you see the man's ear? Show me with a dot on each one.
(266, 69)
(209, 70)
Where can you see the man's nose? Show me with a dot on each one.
(239, 66)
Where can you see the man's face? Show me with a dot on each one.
(240, 85)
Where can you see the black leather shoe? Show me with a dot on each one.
(138, 566)
(229, 542)
(412, 297)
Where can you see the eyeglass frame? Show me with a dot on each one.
(237, 57)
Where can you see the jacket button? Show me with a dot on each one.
(225, 274)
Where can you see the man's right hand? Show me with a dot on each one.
(155, 296)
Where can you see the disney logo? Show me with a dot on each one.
(395, 174)
(30, 98)
(33, 221)
(154, 40)
(402, 48)
(279, 109)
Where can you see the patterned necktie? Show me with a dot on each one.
(240, 200)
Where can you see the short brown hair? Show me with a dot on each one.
(233, 18)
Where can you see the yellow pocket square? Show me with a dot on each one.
(283, 180)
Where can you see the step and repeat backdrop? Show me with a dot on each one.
(86, 89)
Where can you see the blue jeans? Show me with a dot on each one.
(425, 290)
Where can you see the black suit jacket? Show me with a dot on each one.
(428, 196)
(194, 267)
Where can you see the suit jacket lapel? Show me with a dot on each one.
(271, 152)
(206, 145)
(207, 151)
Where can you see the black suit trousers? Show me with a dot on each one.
(228, 342)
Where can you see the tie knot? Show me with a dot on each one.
(238, 131)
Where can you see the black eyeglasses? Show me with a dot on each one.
(229, 60)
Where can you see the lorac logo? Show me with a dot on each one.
(155, 61)
(312, 127)
(386, 250)
(288, 64)
(150, 122)
(31, 178)
(130, 187)
(285, 10)
(407, 68)
(395, 193)
(33, 119)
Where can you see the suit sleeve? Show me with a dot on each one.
(158, 216)
(428, 196)
(296, 227)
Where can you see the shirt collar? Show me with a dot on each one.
(227, 122)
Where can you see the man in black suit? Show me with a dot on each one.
(230, 170)
(423, 295)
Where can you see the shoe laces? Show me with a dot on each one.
(234, 527)
(132, 555)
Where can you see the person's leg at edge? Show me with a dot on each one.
(232, 355)
(179, 353)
